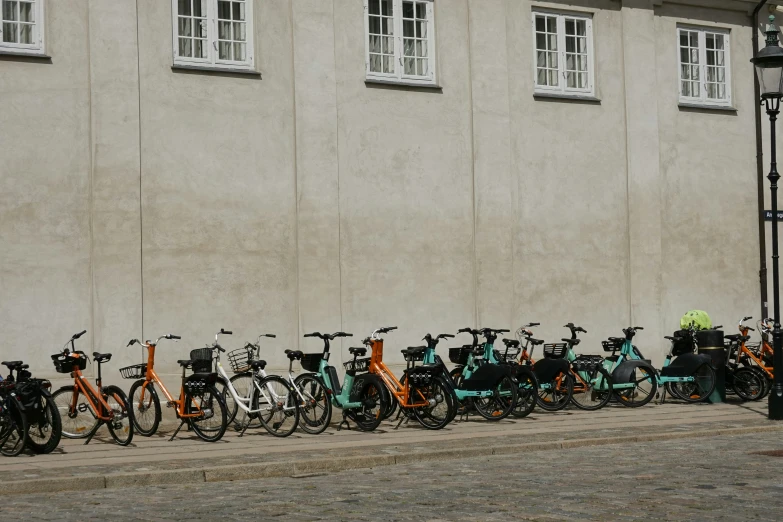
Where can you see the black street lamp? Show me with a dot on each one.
(769, 67)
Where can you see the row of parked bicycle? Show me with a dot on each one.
(488, 381)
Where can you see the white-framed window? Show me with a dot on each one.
(705, 66)
(400, 40)
(563, 53)
(22, 28)
(213, 33)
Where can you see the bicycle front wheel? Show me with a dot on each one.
(527, 391)
(121, 423)
(593, 390)
(277, 405)
(145, 404)
(369, 392)
(13, 430)
(556, 394)
(43, 435)
(645, 383)
(441, 404)
(210, 416)
(238, 417)
(76, 413)
(748, 385)
(700, 388)
(315, 408)
(501, 403)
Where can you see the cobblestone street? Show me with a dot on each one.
(719, 478)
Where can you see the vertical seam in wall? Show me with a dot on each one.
(90, 203)
(141, 215)
(473, 172)
(296, 175)
(339, 214)
(627, 169)
(514, 179)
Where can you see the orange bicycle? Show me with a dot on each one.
(200, 405)
(756, 358)
(83, 409)
(422, 392)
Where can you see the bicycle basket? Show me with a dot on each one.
(68, 363)
(414, 357)
(202, 360)
(460, 355)
(611, 346)
(311, 361)
(137, 371)
(239, 360)
(555, 350)
(586, 363)
(358, 365)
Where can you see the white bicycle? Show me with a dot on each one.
(268, 398)
(315, 410)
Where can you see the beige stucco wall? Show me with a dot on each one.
(137, 200)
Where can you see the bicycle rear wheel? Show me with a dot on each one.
(441, 404)
(501, 403)
(593, 391)
(645, 386)
(78, 418)
(315, 408)
(44, 434)
(556, 394)
(145, 405)
(211, 418)
(527, 391)
(277, 405)
(748, 385)
(374, 402)
(121, 424)
(702, 386)
(13, 429)
(243, 385)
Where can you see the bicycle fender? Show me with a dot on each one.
(527, 372)
(689, 362)
(360, 382)
(622, 374)
(547, 369)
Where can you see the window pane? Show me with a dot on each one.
(224, 50)
(26, 33)
(375, 44)
(710, 39)
(421, 49)
(375, 63)
(694, 39)
(570, 45)
(407, 10)
(553, 62)
(185, 47)
(410, 65)
(695, 72)
(386, 8)
(722, 75)
(408, 28)
(388, 64)
(540, 59)
(570, 62)
(683, 39)
(387, 26)
(424, 68)
(185, 27)
(712, 91)
(541, 41)
(199, 8)
(541, 77)
(375, 25)
(685, 72)
(686, 89)
(553, 78)
(374, 9)
(199, 49)
(551, 24)
(540, 24)
(422, 27)
(388, 45)
(26, 12)
(239, 51)
(200, 28)
(9, 33)
(711, 74)
(583, 81)
(552, 42)
(684, 55)
(224, 30)
(224, 10)
(409, 47)
(570, 27)
(421, 11)
(183, 8)
(571, 80)
(239, 31)
(239, 11)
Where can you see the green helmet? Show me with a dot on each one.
(698, 318)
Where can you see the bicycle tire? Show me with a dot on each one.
(279, 413)
(501, 403)
(368, 418)
(13, 433)
(213, 409)
(231, 406)
(748, 384)
(313, 397)
(121, 425)
(599, 397)
(146, 411)
(390, 401)
(557, 393)
(527, 391)
(37, 440)
(243, 384)
(466, 404)
(79, 423)
(439, 393)
(629, 397)
(702, 386)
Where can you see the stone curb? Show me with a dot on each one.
(304, 468)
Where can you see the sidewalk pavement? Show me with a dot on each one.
(155, 460)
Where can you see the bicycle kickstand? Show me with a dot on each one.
(404, 419)
(177, 430)
(663, 396)
(344, 421)
(92, 434)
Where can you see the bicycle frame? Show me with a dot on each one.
(151, 377)
(83, 386)
(431, 358)
(400, 391)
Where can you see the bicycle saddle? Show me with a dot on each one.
(259, 365)
(360, 351)
(511, 343)
(12, 365)
(669, 337)
(536, 342)
(101, 357)
(185, 363)
(294, 354)
(734, 337)
(572, 342)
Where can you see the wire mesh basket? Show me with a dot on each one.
(68, 363)
(202, 360)
(611, 346)
(357, 365)
(239, 360)
(555, 350)
(311, 361)
(137, 371)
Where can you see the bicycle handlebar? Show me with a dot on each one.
(76, 336)
(132, 342)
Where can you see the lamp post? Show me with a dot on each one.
(769, 68)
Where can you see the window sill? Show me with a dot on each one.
(210, 69)
(706, 107)
(567, 97)
(403, 83)
(38, 55)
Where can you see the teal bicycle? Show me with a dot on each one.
(361, 397)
